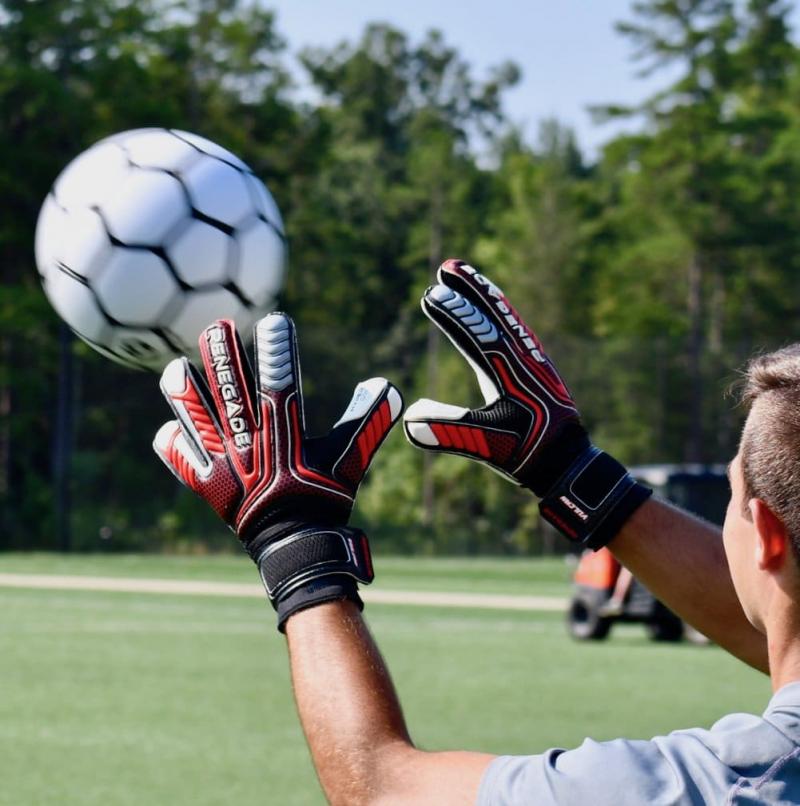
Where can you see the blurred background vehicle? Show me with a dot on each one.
(606, 593)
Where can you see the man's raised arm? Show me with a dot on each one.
(239, 440)
(680, 558)
(353, 723)
(530, 431)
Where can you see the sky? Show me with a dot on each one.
(568, 50)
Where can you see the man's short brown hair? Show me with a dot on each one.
(770, 446)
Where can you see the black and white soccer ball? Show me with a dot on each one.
(151, 234)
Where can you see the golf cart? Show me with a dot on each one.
(606, 593)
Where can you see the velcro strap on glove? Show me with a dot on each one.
(592, 500)
(312, 565)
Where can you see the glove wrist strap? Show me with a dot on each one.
(332, 588)
(313, 564)
(592, 500)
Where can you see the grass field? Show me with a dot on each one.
(116, 698)
(539, 576)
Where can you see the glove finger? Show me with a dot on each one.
(479, 290)
(187, 395)
(231, 384)
(471, 332)
(520, 345)
(174, 450)
(491, 435)
(354, 440)
(277, 363)
(214, 480)
(279, 384)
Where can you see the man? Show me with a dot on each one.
(289, 497)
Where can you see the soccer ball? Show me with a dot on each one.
(150, 235)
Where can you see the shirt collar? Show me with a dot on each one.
(785, 696)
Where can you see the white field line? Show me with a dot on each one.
(489, 601)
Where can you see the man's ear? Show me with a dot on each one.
(772, 539)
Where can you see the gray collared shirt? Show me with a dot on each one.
(743, 759)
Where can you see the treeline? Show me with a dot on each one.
(651, 273)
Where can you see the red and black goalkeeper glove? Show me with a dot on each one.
(529, 430)
(240, 442)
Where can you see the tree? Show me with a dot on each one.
(695, 201)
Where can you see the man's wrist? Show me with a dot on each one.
(593, 499)
(302, 565)
(319, 591)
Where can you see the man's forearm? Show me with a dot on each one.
(353, 721)
(681, 559)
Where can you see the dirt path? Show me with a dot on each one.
(489, 601)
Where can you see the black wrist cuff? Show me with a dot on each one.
(316, 592)
(309, 565)
(592, 500)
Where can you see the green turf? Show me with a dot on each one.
(130, 699)
(540, 576)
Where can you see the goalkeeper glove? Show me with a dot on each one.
(529, 430)
(240, 443)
